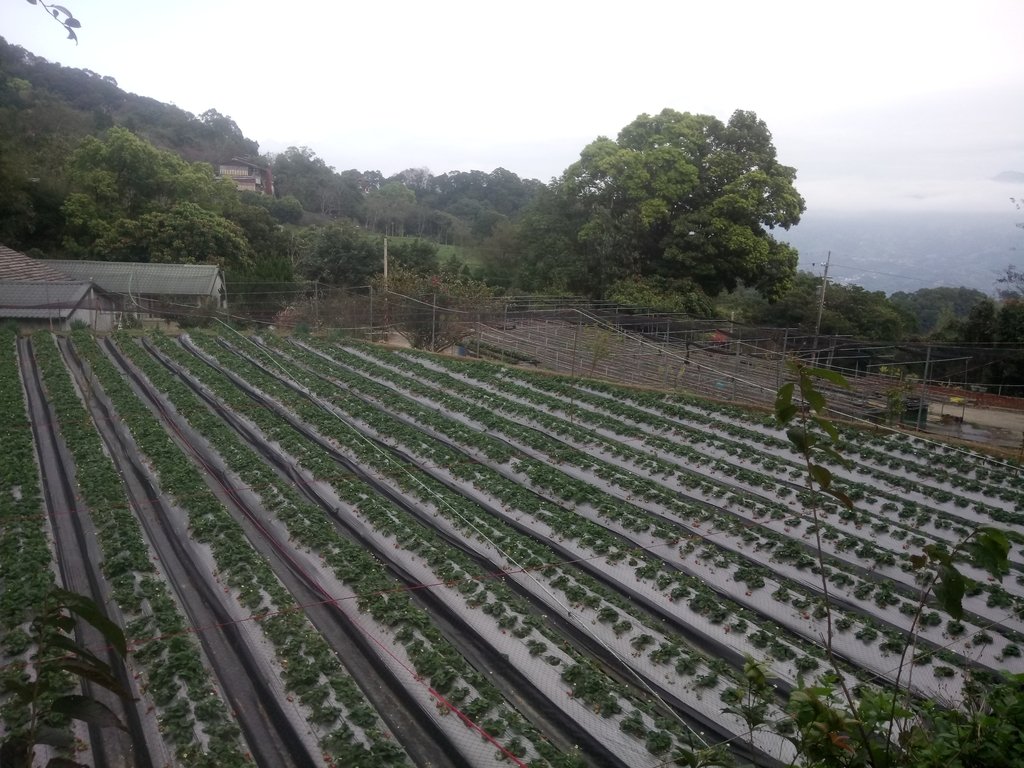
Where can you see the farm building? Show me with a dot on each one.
(152, 289)
(55, 305)
(35, 293)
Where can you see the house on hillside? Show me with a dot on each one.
(35, 294)
(153, 290)
(247, 176)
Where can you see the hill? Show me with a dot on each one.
(48, 100)
(904, 251)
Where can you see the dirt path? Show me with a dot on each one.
(996, 427)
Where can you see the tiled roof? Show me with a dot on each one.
(128, 277)
(41, 299)
(15, 265)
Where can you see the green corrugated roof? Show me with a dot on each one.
(129, 277)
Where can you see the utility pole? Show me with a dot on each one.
(387, 308)
(821, 301)
(963, 405)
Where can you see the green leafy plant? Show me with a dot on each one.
(62, 16)
(864, 732)
(42, 698)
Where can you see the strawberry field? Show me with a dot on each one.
(328, 553)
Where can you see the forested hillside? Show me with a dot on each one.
(680, 212)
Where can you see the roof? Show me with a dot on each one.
(246, 163)
(131, 277)
(15, 265)
(27, 299)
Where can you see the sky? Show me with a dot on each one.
(896, 105)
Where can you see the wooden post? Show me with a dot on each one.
(924, 387)
(316, 304)
(433, 323)
(782, 359)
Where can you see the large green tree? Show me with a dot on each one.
(340, 254)
(388, 208)
(317, 186)
(133, 202)
(936, 308)
(680, 196)
(184, 233)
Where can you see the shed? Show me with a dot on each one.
(152, 289)
(53, 304)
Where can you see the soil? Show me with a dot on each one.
(997, 427)
(79, 558)
(403, 704)
(986, 655)
(236, 662)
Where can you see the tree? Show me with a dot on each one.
(933, 306)
(849, 310)
(679, 195)
(388, 207)
(299, 173)
(1010, 323)
(980, 326)
(415, 255)
(550, 258)
(185, 233)
(433, 311)
(62, 16)
(660, 294)
(225, 137)
(124, 176)
(132, 201)
(340, 254)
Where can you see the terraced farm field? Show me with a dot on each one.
(338, 554)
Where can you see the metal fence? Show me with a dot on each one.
(716, 358)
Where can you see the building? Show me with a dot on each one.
(37, 295)
(15, 265)
(58, 306)
(106, 294)
(165, 291)
(247, 176)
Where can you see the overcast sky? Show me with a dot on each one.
(897, 105)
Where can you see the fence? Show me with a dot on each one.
(711, 357)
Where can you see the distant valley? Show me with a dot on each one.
(905, 251)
